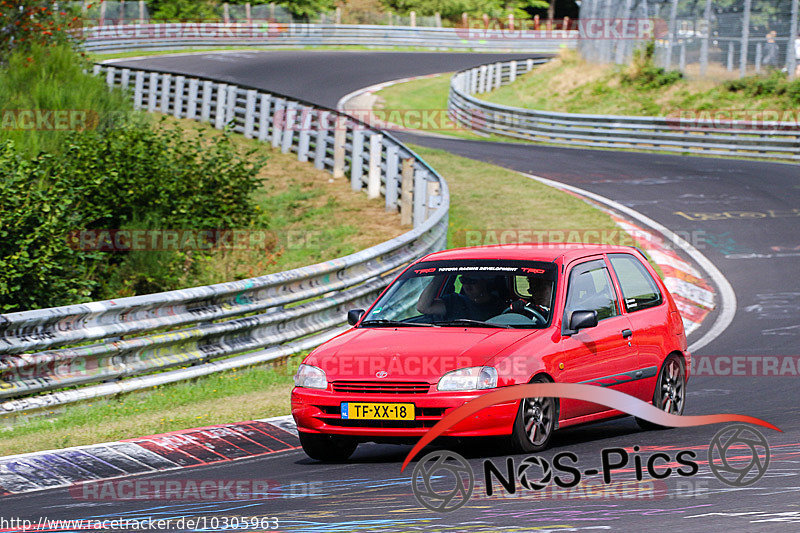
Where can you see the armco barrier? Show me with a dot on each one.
(764, 140)
(229, 325)
(195, 35)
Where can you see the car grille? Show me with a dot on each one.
(381, 387)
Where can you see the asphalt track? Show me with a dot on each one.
(746, 217)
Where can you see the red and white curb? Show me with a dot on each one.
(145, 455)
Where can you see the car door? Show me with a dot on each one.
(600, 355)
(648, 312)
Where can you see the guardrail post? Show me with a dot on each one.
(205, 105)
(434, 198)
(263, 118)
(165, 86)
(482, 79)
(219, 118)
(489, 74)
(138, 89)
(375, 150)
(512, 73)
(179, 83)
(96, 69)
(250, 114)
(473, 81)
(339, 141)
(152, 92)
(321, 140)
(407, 192)
(528, 65)
(191, 103)
(356, 159)
(125, 79)
(420, 191)
(230, 104)
(305, 133)
(498, 75)
(288, 130)
(278, 120)
(110, 76)
(392, 170)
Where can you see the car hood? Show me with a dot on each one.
(413, 353)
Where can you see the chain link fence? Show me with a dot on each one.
(697, 37)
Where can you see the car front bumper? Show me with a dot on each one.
(319, 411)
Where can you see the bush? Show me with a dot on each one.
(644, 74)
(107, 181)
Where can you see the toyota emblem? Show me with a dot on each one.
(381, 374)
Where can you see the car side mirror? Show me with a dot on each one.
(354, 315)
(579, 320)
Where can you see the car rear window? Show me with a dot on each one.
(639, 289)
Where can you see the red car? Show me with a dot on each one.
(459, 323)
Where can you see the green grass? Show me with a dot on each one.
(49, 79)
(237, 395)
(568, 84)
(312, 217)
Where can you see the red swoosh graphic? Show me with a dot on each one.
(590, 393)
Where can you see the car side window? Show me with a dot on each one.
(638, 287)
(590, 289)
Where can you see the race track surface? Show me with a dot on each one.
(746, 217)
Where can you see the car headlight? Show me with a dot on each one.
(310, 377)
(473, 378)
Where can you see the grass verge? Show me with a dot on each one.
(264, 391)
(569, 84)
(313, 217)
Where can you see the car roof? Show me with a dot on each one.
(528, 252)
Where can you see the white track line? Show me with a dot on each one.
(727, 295)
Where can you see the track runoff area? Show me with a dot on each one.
(746, 216)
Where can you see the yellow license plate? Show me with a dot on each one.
(377, 411)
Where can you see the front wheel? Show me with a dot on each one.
(670, 393)
(535, 423)
(327, 448)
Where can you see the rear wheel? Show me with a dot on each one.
(327, 448)
(535, 423)
(670, 393)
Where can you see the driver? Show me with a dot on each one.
(476, 302)
(540, 293)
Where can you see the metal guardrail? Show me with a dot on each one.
(193, 35)
(773, 140)
(207, 329)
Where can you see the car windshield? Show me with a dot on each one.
(472, 294)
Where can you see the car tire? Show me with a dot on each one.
(535, 422)
(670, 391)
(327, 448)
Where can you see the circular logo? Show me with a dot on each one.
(453, 475)
(738, 455)
(381, 374)
(533, 483)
